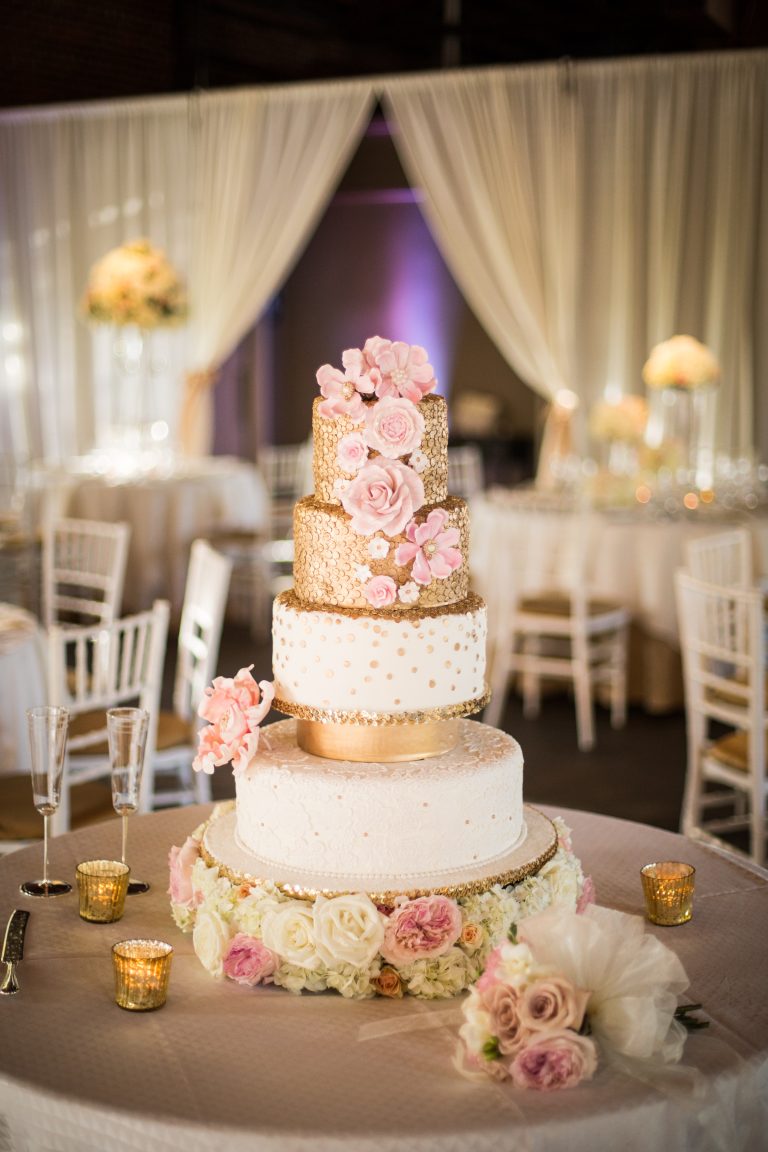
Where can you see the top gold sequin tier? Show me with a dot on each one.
(326, 434)
(332, 563)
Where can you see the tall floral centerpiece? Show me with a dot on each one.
(135, 289)
(681, 376)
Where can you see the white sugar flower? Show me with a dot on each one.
(363, 573)
(419, 461)
(340, 485)
(408, 593)
(210, 938)
(378, 547)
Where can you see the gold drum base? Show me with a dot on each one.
(377, 744)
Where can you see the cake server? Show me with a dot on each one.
(13, 950)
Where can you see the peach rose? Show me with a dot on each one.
(394, 427)
(555, 1060)
(381, 591)
(383, 497)
(388, 983)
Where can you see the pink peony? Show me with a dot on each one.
(383, 497)
(426, 926)
(405, 370)
(235, 708)
(381, 591)
(181, 861)
(351, 452)
(555, 1060)
(394, 427)
(431, 548)
(503, 1005)
(552, 1003)
(248, 961)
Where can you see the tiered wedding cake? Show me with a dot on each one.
(375, 837)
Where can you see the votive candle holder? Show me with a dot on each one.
(101, 886)
(142, 970)
(668, 891)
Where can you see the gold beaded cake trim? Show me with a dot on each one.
(424, 716)
(387, 897)
(397, 615)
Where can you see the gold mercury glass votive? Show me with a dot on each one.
(668, 891)
(142, 969)
(102, 885)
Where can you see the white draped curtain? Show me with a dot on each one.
(586, 210)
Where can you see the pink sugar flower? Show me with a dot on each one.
(383, 497)
(426, 926)
(556, 1060)
(381, 591)
(249, 961)
(351, 452)
(394, 427)
(235, 709)
(405, 369)
(180, 862)
(431, 547)
(341, 390)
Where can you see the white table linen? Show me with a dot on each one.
(22, 684)
(166, 513)
(233, 1068)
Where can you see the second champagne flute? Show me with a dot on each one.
(127, 734)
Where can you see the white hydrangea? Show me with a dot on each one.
(183, 917)
(441, 976)
(353, 983)
(212, 890)
(251, 910)
(297, 979)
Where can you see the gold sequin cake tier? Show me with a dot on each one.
(326, 434)
(333, 563)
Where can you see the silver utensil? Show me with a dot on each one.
(13, 950)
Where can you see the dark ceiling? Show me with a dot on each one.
(72, 50)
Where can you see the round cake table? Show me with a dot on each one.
(233, 1068)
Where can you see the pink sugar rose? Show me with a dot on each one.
(405, 370)
(235, 709)
(555, 1060)
(249, 961)
(426, 926)
(383, 497)
(381, 591)
(431, 547)
(552, 1003)
(181, 861)
(351, 452)
(394, 427)
(503, 1005)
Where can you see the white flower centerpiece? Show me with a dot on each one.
(681, 375)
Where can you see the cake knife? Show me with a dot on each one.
(13, 950)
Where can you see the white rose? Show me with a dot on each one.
(210, 938)
(288, 930)
(348, 930)
(562, 879)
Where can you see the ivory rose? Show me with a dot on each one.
(235, 709)
(431, 548)
(181, 861)
(381, 591)
(383, 497)
(348, 930)
(289, 931)
(394, 427)
(425, 927)
(249, 961)
(351, 452)
(555, 1060)
(210, 937)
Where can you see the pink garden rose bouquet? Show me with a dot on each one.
(235, 709)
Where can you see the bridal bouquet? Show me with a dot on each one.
(568, 988)
(680, 362)
(135, 284)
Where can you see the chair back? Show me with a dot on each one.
(202, 618)
(723, 558)
(91, 669)
(83, 565)
(465, 471)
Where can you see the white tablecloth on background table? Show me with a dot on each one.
(235, 1068)
(22, 684)
(166, 513)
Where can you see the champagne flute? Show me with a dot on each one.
(47, 728)
(127, 734)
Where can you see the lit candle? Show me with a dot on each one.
(668, 891)
(142, 969)
(101, 886)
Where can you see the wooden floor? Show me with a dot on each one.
(636, 773)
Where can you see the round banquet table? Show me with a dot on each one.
(233, 1068)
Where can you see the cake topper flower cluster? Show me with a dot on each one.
(380, 390)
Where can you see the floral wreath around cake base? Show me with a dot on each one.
(431, 946)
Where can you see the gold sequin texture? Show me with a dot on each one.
(326, 434)
(424, 716)
(328, 553)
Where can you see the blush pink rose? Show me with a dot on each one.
(431, 548)
(555, 1060)
(249, 961)
(351, 452)
(552, 1003)
(383, 497)
(181, 861)
(394, 427)
(503, 1005)
(381, 591)
(426, 926)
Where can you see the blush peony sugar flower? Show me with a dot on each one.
(394, 427)
(431, 548)
(235, 709)
(383, 497)
(404, 368)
